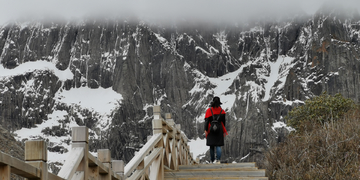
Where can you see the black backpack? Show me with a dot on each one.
(215, 125)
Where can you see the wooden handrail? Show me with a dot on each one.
(167, 148)
(147, 162)
(69, 168)
(172, 141)
(18, 167)
(139, 158)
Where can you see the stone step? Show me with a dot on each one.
(217, 171)
(218, 166)
(245, 171)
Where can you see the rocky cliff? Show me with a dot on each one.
(260, 70)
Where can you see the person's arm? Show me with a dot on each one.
(206, 125)
(223, 118)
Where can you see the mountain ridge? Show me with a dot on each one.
(260, 72)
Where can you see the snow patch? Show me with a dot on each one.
(198, 147)
(223, 84)
(280, 124)
(102, 100)
(278, 72)
(36, 65)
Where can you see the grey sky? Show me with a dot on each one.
(159, 9)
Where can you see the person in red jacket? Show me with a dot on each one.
(215, 129)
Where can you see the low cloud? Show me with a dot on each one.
(208, 10)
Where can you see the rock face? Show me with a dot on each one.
(259, 70)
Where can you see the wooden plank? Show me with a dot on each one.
(78, 175)
(116, 177)
(147, 162)
(170, 135)
(157, 168)
(94, 173)
(5, 172)
(117, 170)
(136, 160)
(179, 152)
(146, 177)
(42, 166)
(93, 161)
(164, 130)
(168, 127)
(84, 163)
(73, 160)
(54, 177)
(167, 151)
(105, 176)
(19, 167)
(173, 154)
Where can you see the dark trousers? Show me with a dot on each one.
(212, 153)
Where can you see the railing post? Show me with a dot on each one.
(104, 156)
(157, 112)
(157, 121)
(80, 138)
(118, 168)
(36, 155)
(158, 128)
(5, 172)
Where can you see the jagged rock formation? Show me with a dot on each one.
(265, 68)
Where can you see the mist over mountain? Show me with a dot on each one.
(108, 73)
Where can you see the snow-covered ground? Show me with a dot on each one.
(198, 147)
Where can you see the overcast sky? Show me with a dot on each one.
(157, 9)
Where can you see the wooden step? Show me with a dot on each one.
(217, 171)
(216, 178)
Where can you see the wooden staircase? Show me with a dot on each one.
(246, 171)
(165, 156)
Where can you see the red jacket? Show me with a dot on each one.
(215, 110)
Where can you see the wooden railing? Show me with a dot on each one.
(166, 148)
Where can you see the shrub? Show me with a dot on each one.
(319, 111)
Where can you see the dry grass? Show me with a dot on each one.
(328, 151)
